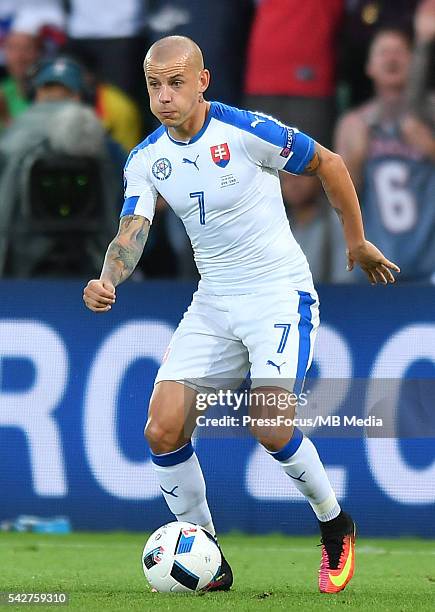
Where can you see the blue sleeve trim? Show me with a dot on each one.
(271, 131)
(173, 458)
(129, 206)
(303, 151)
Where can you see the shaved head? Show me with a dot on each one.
(175, 50)
(176, 81)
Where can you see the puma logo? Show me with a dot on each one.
(278, 367)
(257, 121)
(189, 161)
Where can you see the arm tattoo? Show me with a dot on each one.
(125, 249)
(313, 165)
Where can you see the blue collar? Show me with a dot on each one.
(198, 134)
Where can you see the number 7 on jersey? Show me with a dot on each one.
(200, 196)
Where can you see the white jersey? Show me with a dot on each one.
(224, 186)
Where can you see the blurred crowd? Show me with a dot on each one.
(357, 75)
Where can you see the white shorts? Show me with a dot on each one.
(220, 338)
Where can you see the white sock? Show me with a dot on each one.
(183, 486)
(301, 462)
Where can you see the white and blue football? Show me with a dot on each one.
(181, 557)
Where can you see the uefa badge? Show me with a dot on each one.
(287, 150)
(162, 169)
(220, 154)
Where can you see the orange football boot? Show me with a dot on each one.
(338, 559)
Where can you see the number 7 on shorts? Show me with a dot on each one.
(285, 332)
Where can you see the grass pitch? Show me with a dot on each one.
(103, 572)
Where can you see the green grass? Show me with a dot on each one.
(103, 572)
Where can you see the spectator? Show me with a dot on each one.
(118, 113)
(109, 36)
(55, 126)
(44, 17)
(363, 19)
(291, 78)
(294, 80)
(389, 147)
(28, 30)
(22, 50)
(55, 83)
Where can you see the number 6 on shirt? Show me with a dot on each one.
(200, 196)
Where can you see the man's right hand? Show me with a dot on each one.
(99, 295)
(373, 262)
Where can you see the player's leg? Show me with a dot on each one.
(295, 452)
(168, 432)
(301, 462)
(281, 350)
(170, 424)
(201, 352)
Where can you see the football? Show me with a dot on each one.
(180, 557)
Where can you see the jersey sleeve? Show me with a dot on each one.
(272, 144)
(140, 195)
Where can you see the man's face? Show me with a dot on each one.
(389, 60)
(174, 88)
(21, 52)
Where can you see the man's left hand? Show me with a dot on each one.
(373, 262)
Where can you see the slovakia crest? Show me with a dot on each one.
(220, 154)
(162, 169)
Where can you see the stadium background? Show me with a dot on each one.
(74, 386)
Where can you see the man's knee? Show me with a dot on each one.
(162, 437)
(168, 427)
(273, 440)
(164, 430)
